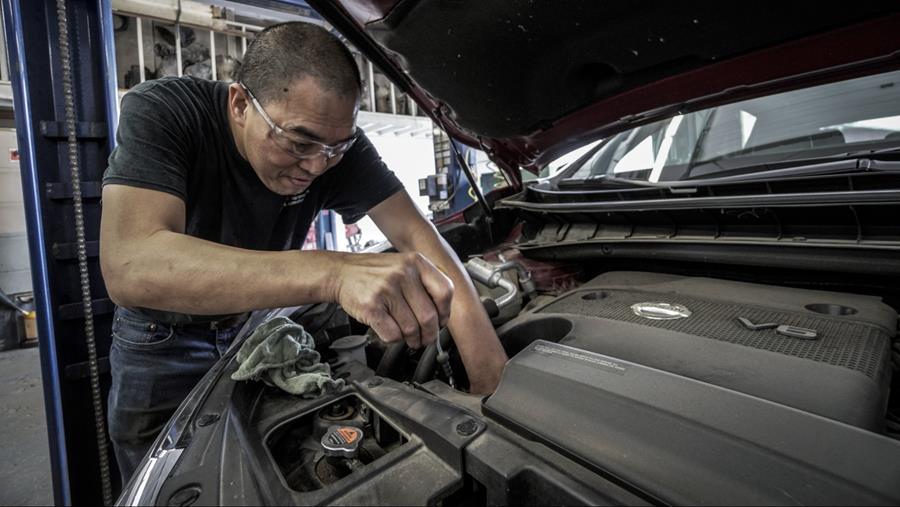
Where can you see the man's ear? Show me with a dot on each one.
(237, 103)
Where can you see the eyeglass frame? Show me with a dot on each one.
(330, 151)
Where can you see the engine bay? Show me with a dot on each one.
(629, 388)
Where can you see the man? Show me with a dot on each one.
(207, 198)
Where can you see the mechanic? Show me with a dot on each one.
(206, 201)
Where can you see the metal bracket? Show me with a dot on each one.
(74, 311)
(62, 191)
(66, 251)
(83, 130)
(82, 370)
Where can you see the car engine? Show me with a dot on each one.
(820, 352)
(629, 388)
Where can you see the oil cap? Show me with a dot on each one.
(342, 441)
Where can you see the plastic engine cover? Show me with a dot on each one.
(693, 327)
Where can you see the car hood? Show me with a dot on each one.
(527, 81)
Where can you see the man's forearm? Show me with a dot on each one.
(476, 340)
(148, 261)
(472, 331)
(175, 272)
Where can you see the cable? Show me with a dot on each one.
(72, 141)
(444, 360)
(12, 304)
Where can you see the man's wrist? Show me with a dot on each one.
(328, 266)
(334, 275)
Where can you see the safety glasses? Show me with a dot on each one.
(297, 144)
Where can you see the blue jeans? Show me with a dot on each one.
(154, 366)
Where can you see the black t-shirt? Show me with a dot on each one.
(174, 137)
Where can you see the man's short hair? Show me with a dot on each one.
(283, 53)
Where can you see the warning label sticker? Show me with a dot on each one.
(348, 434)
(598, 362)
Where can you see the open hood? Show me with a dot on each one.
(529, 80)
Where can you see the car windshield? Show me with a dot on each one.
(744, 138)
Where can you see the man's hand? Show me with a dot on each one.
(401, 296)
(475, 338)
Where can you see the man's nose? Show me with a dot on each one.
(315, 165)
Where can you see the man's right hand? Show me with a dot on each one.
(402, 296)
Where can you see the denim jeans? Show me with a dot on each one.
(154, 366)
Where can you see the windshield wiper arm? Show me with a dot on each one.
(803, 167)
(698, 146)
(809, 168)
(605, 179)
(850, 162)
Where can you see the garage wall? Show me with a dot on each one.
(15, 271)
(410, 158)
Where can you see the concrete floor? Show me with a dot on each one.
(24, 452)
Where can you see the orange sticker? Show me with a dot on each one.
(348, 434)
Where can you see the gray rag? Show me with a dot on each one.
(282, 354)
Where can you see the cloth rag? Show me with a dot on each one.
(282, 354)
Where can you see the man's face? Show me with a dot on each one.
(307, 111)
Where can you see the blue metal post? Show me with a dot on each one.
(16, 47)
(35, 68)
(108, 50)
(326, 226)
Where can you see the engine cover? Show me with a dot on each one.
(822, 352)
(684, 442)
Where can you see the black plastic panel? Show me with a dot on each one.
(843, 374)
(683, 441)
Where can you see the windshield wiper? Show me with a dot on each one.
(847, 163)
(606, 181)
(885, 159)
(857, 161)
(698, 146)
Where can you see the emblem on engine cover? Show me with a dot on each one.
(660, 311)
(801, 333)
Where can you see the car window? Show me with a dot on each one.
(823, 120)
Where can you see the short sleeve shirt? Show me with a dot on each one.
(174, 137)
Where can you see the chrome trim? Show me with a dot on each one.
(660, 311)
(144, 489)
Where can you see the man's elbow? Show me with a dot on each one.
(119, 282)
(132, 277)
(127, 282)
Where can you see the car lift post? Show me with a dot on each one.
(32, 32)
(32, 35)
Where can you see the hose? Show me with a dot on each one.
(390, 364)
(435, 353)
(12, 304)
(443, 359)
(425, 369)
(81, 243)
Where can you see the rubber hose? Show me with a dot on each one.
(389, 363)
(428, 361)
